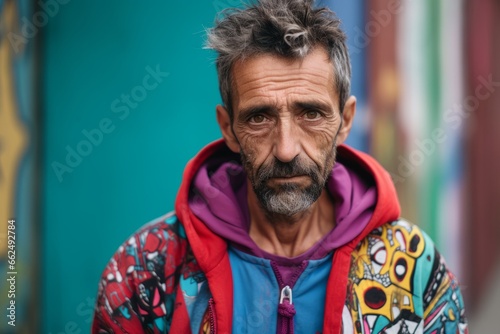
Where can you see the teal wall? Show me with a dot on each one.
(93, 52)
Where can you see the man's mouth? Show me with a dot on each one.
(289, 178)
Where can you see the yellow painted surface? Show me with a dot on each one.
(13, 135)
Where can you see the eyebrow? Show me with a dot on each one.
(272, 109)
(256, 110)
(313, 105)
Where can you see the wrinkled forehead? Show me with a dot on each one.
(266, 75)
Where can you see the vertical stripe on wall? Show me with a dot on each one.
(413, 107)
(17, 165)
(482, 103)
(429, 195)
(352, 15)
(450, 144)
(383, 92)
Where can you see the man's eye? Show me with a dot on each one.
(257, 119)
(312, 115)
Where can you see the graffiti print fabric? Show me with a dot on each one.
(399, 283)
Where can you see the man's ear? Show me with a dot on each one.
(226, 128)
(347, 119)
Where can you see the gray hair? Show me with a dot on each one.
(288, 28)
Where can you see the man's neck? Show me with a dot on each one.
(290, 236)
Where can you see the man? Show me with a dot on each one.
(279, 227)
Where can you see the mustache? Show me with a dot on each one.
(295, 167)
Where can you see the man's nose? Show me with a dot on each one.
(287, 143)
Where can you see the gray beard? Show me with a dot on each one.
(288, 199)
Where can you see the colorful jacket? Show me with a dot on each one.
(175, 275)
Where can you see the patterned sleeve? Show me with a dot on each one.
(137, 288)
(443, 302)
(399, 283)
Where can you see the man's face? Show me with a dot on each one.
(285, 126)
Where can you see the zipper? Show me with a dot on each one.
(286, 309)
(211, 311)
(286, 294)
